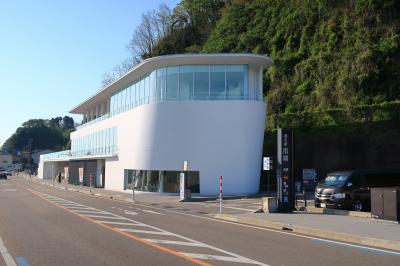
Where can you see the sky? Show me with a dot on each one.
(53, 54)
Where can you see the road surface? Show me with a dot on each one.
(40, 225)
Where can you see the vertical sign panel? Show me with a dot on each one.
(284, 170)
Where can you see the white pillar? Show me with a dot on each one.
(99, 173)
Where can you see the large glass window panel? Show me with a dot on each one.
(172, 83)
(217, 82)
(147, 89)
(141, 92)
(185, 82)
(235, 82)
(134, 99)
(201, 82)
(153, 92)
(117, 102)
(160, 84)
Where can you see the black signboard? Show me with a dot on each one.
(284, 170)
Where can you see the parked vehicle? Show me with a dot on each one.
(8, 172)
(3, 175)
(351, 189)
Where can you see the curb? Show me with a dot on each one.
(344, 237)
(338, 212)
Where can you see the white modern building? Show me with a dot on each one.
(206, 109)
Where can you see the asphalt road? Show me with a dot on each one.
(40, 225)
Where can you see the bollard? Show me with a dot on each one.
(90, 184)
(220, 194)
(133, 193)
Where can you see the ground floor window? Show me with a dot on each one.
(160, 181)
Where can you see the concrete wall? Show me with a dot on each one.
(216, 137)
(374, 145)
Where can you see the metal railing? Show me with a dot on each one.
(108, 150)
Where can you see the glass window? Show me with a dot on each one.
(153, 92)
(185, 82)
(160, 84)
(217, 82)
(121, 101)
(141, 91)
(172, 83)
(147, 89)
(235, 82)
(134, 94)
(201, 82)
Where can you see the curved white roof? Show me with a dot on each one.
(150, 64)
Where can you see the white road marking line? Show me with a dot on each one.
(274, 230)
(78, 208)
(105, 217)
(164, 232)
(10, 190)
(90, 211)
(256, 227)
(121, 223)
(152, 212)
(130, 212)
(241, 209)
(181, 243)
(215, 257)
(6, 255)
(145, 231)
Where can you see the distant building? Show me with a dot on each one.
(16, 165)
(204, 109)
(6, 161)
(36, 155)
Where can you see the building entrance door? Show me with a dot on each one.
(103, 176)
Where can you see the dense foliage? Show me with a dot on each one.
(40, 134)
(328, 55)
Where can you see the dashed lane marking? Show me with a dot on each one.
(6, 256)
(49, 198)
(10, 190)
(182, 243)
(146, 232)
(130, 212)
(153, 212)
(152, 230)
(104, 217)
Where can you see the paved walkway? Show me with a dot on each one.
(366, 227)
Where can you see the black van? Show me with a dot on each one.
(351, 189)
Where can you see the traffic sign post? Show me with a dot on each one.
(267, 166)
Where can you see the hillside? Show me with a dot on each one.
(41, 134)
(327, 54)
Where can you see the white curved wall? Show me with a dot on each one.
(216, 137)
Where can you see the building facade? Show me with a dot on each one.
(6, 161)
(205, 109)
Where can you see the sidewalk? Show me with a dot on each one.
(356, 230)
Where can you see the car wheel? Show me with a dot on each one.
(358, 205)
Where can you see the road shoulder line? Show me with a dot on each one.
(8, 259)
